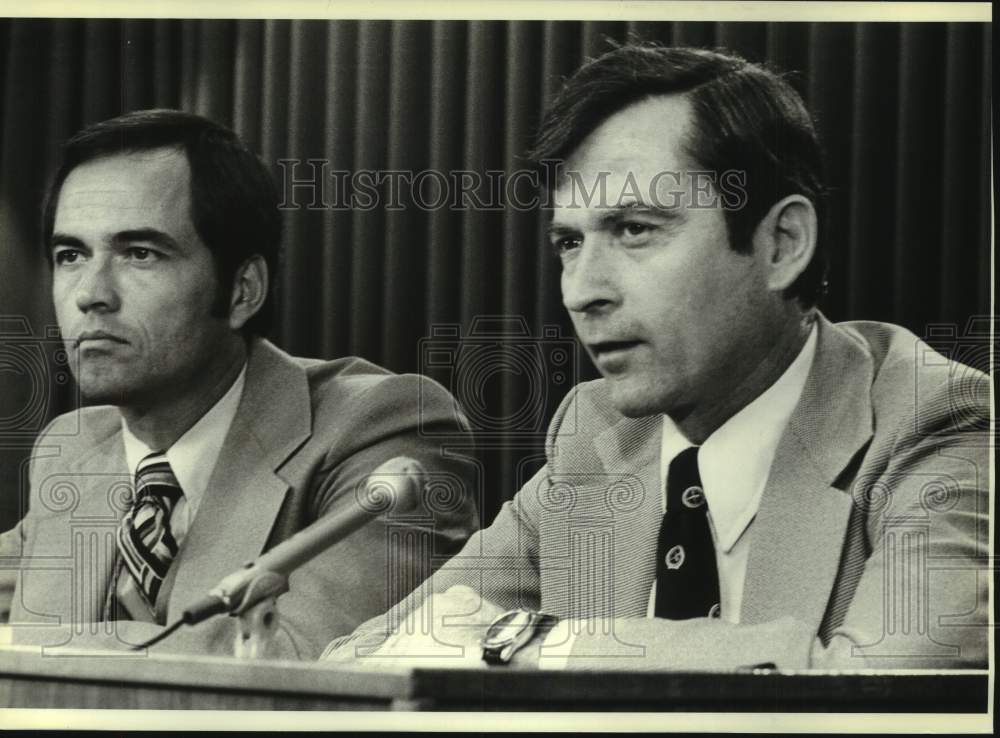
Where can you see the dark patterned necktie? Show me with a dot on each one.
(687, 580)
(146, 545)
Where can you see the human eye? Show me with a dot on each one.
(633, 231)
(563, 244)
(65, 255)
(142, 254)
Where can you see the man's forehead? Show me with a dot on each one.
(642, 143)
(166, 165)
(655, 126)
(149, 178)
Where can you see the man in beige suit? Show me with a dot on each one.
(205, 445)
(747, 484)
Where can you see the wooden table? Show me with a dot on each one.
(164, 681)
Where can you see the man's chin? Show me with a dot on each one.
(633, 402)
(103, 394)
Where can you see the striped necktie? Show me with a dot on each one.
(687, 581)
(146, 545)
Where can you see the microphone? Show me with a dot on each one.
(394, 485)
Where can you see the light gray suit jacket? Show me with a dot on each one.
(869, 547)
(306, 435)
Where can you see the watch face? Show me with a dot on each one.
(507, 627)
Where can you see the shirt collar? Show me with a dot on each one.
(735, 461)
(192, 457)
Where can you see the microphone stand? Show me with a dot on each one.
(251, 593)
(258, 614)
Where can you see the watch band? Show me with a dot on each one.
(512, 631)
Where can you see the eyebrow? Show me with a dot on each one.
(553, 229)
(149, 235)
(612, 215)
(62, 239)
(619, 211)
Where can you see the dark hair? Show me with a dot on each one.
(746, 118)
(234, 201)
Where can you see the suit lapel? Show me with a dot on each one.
(630, 452)
(798, 534)
(83, 506)
(245, 492)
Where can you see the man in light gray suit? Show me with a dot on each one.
(205, 445)
(747, 484)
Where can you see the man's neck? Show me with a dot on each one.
(159, 425)
(701, 422)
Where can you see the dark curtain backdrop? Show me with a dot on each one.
(904, 111)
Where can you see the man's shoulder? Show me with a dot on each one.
(77, 437)
(348, 371)
(333, 382)
(887, 343)
(351, 377)
(349, 389)
(922, 384)
(584, 413)
(84, 427)
(906, 363)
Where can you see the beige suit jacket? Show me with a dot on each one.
(869, 547)
(306, 435)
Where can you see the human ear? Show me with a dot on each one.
(249, 291)
(786, 238)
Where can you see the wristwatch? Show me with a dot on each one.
(512, 631)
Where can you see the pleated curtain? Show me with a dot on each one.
(903, 110)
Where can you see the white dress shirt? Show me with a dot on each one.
(192, 457)
(734, 464)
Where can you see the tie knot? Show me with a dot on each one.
(153, 476)
(684, 490)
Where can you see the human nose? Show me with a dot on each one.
(588, 280)
(96, 289)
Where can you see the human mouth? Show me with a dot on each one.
(96, 339)
(611, 355)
